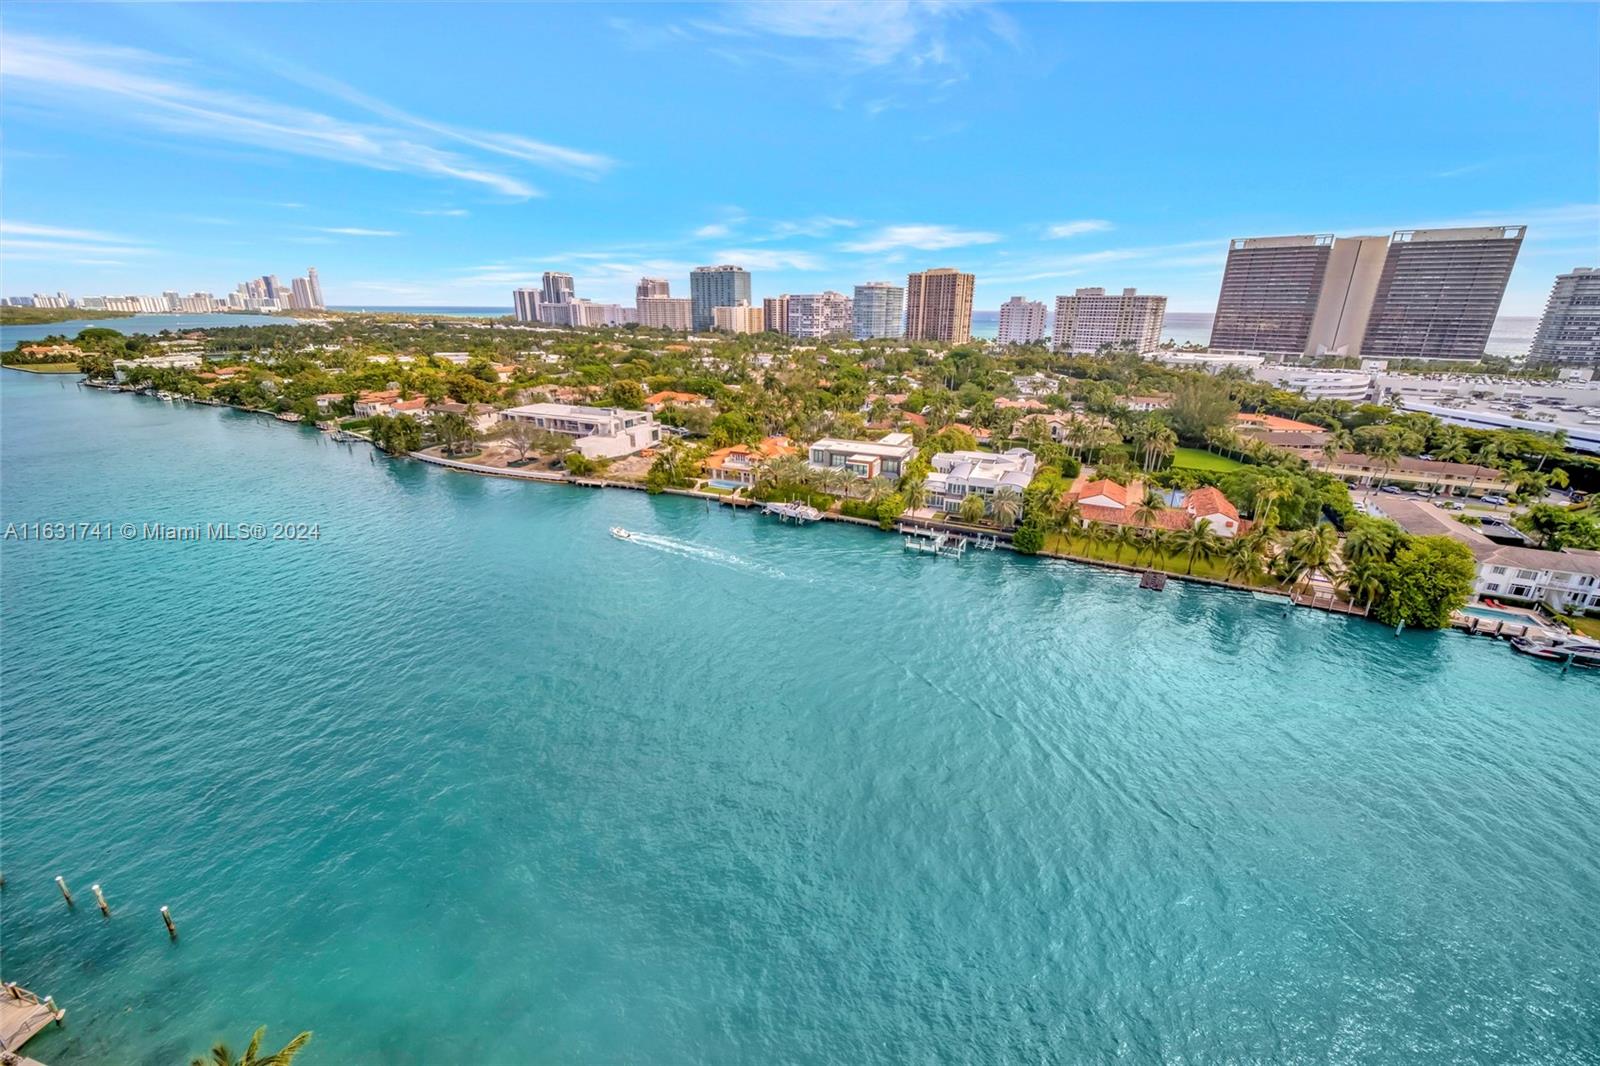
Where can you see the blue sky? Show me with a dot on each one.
(422, 154)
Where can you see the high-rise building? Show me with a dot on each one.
(525, 304)
(1569, 332)
(1345, 301)
(316, 288)
(300, 295)
(557, 288)
(775, 310)
(820, 314)
(649, 287)
(1440, 291)
(1021, 321)
(666, 312)
(171, 298)
(740, 318)
(879, 310)
(939, 305)
(1089, 320)
(1270, 290)
(716, 286)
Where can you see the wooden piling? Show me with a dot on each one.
(65, 894)
(172, 930)
(100, 899)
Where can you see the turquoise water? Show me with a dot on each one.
(11, 336)
(468, 781)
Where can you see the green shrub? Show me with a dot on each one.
(1028, 539)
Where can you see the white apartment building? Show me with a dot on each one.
(1088, 320)
(740, 318)
(666, 312)
(886, 457)
(597, 432)
(957, 475)
(823, 314)
(1022, 321)
(879, 309)
(1352, 385)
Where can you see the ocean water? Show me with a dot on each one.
(10, 336)
(466, 780)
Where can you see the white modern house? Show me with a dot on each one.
(597, 432)
(957, 475)
(1568, 581)
(885, 457)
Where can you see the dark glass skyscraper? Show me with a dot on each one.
(716, 286)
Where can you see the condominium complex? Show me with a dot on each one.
(557, 288)
(1569, 332)
(716, 286)
(666, 312)
(1270, 290)
(740, 318)
(1440, 292)
(649, 287)
(1089, 320)
(1021, 321)
(821, 314)
(878, 310)
(1420, 294)
(939, 305)
(775, 309)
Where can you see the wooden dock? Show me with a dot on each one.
(22, 1015)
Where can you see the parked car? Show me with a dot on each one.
(1391, 488)
(1498, 501)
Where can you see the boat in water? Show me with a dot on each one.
(1580, 651)
(620, 533)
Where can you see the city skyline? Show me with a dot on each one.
(445, 189)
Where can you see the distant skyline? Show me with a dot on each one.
(422, 154)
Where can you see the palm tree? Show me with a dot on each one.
(222, 1056)
(1244, 563)
(838, 481)
(1367, 541)
(1101, 533)
(1388, 454)
(1006, 505)
(1149, 509)
(1126, 537)
(1196, 539)
(1066, 514)
(1362, 581)
(1311, 549)
(1163, 442)
(972, 508)
(1267, 493)
(916, 494)
(877, 490)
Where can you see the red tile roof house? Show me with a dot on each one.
(656, 402)
(416, 407)
(1109, 502)
(375, 403)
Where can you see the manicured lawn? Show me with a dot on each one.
(1200, 459)
(1216, 569)
(1589, 627)
(46, 368)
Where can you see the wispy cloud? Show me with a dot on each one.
(152, 91)
(769, 259)
(715, 229)
(816, 226)
(358, 231)
(34, 241)
(443, 212)
(1076, 228)
(1461, 171)
(911, 33)
(923, 237)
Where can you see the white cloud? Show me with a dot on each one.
(357, 231)
(906, 32)
(1075, 228)
(139, 88)
(443, 212)
(715, 229)
(769, 259)
(31, 229)
(926, 238)
(816, 226)
(34, 241)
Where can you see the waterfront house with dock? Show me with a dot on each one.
(736, 466)
(597, 432)
(886, 457)
(957, 475)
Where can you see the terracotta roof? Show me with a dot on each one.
(1020, 405)
(769, 448)
(1208, 500)
(416, 403)
(1166, 518)
(674, 397)
(1273, 422)
(1108, 488)
(386, 396)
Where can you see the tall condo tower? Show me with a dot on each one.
(939, 305)
(716, 286)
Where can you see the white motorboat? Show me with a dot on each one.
(620, 533)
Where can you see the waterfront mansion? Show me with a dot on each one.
(886, 457)
(597, 432)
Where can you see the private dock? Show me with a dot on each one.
(22, 1015)
(937, 542)
(798, 513)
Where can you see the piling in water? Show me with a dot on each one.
(99, 898)
(66, 895)
(172, 930)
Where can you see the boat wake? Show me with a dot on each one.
(714, 556)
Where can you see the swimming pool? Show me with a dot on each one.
(1490, 612)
